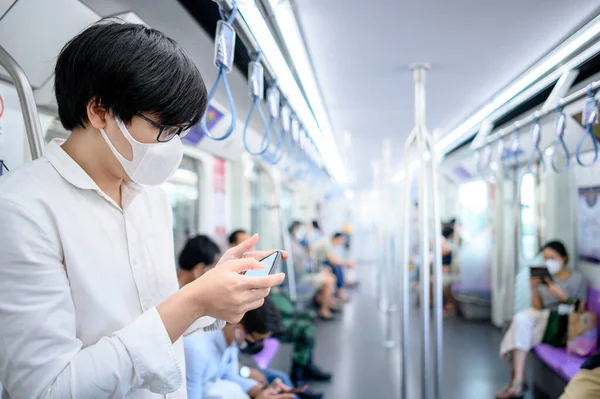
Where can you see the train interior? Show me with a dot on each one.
(508, 91)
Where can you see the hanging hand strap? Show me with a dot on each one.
(273, 99)
(256, 79)
(536, 138)
(224, 52)
(516, 151)
(560, 141)
(589, 118)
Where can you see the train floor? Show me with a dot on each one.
(353, 348)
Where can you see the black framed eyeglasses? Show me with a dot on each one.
(167, 132)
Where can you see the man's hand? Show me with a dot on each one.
(277, 390)
(245, 250)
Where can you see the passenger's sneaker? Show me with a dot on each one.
(312, 372)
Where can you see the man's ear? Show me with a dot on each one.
(97, 114)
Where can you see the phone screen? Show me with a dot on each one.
(299, 389)
(270, 262)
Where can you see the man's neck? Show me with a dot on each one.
(90, 151)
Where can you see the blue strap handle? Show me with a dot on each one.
(560, 142)
(592, 114)
(222, 75)
(516, 151)
(290, 152)
(266, 140)
(256, 104)
(536, 133)
(277, 154)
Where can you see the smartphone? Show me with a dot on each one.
(541, 272)
(271, 263)
(299, 389)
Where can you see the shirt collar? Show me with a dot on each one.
(67, 167)
(74, 174)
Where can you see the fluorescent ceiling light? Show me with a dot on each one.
(321, 136)
(551, 61)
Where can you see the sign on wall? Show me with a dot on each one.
(588, 228)
(196, 134)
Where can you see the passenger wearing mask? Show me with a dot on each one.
(325, 252)
(528, 327)
(297, 328)
(323, 281)
(89, 301)
(212, 359)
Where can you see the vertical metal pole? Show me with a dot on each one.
(425, 272)
(287, 246)
(33, 128)
(424, 223)
(405, 272)
(389, 341)
(438, 297)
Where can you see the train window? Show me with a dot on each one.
(255, 201)
(529, 242)
(287, 202)
(473, 198)
(183, 191)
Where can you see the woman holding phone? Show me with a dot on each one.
(528, 327)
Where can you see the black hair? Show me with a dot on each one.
(233, 236)
(129, 69)
(200, 249)
(263, 320)
(337, 235)
(558, 247)
(447, 230)
(315, 224)
(294, 225)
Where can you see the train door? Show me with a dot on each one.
(183, 189)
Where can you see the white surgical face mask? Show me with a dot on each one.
(553, 265)
(152, 163)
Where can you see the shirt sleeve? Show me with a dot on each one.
(582, 289)
(40, 354)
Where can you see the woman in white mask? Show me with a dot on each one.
(528, 327)
(89, 300)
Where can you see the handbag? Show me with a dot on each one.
(582, 334)
(558, 326)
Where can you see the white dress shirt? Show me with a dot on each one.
(79, 281)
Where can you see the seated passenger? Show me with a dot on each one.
(89, 305)
(212, 365)
(324, 251)
(449, 277)
(297, 328)
(323, 281)
(586, 383)
(528, 327)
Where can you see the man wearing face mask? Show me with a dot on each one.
(89, 301)
(212, 359)
(528, 327)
